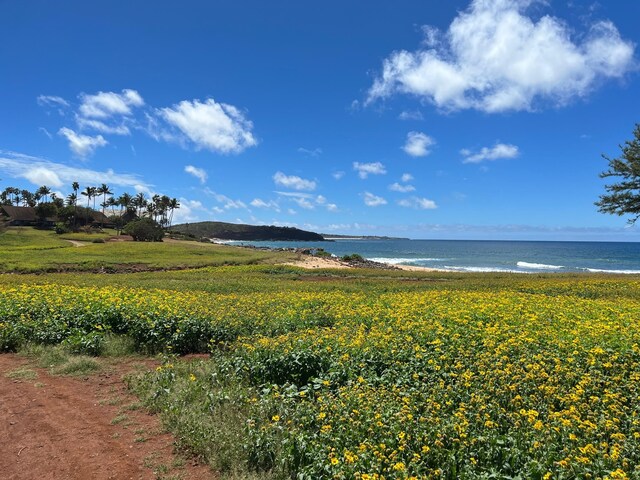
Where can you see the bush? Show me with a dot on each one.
(144, 230)
(98, 240)
(354, 257)
(61, 228)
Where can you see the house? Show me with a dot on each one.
(19, 216)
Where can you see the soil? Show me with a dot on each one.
(78, 428)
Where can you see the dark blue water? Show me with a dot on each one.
(488, 256)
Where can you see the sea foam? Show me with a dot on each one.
(539, 266)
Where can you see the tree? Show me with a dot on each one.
(623, 197)
(144, 230)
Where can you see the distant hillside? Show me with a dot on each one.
(360, 237)
(233, 231)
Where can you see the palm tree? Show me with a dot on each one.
(173, 205)
(104, 191)
(72, 199)
(44, 192)
(75, 186)
(140, 203)
(88, 192)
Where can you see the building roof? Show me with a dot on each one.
(25, 214)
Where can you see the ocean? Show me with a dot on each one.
(487, 256)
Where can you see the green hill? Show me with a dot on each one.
(234, 231)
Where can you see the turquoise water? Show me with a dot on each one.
(488, 256)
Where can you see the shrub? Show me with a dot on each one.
(144, 230)
(61, 228)
(354, 257)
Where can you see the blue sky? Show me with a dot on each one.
(427, 119)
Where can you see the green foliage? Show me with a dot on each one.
(46, 211)
(623, 197)
(233, 231)
(354, 257)
(81, 343)
(144, 230)
(61, 228)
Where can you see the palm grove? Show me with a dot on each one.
(78, 209)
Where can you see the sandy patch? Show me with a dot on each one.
(318, 262)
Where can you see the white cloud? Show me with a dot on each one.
(188, 211)
(294, 182)
(89, 124)
(43, 176)
(321, 200)
(196, 172)
(495, 58)
(259, 203)
(51, 101)
(498, 151)
(411, 115)
(46, 132)
(338, 175)
(82, 145)
(106, 104)
(332, 207)
(228, 203)
(44, 172)
(371, 200)
(304, 203)
(418, 203)
(218, 127)
(295, 194)
(398, 187)
(316, 152)
(366, 169)
(406, 177)
(417, 144)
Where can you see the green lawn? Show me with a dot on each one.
(28, 250)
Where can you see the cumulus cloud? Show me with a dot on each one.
(294, 182)
(495, 58)
(106, 104)
(44, 172)
(498, 151)
(188, 211)
(398, 187)
(406, 177)
(82, 145)
(338, 175)
(371, 200)
(218, 127)
(366, 169)
(417, 144)
(199, 173)
(418, 203)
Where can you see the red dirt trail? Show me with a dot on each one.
(55, 427)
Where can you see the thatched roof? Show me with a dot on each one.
(23, 214)
(99, 217)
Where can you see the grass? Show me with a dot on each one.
(22, 373)
(59, 361)
(28, 250)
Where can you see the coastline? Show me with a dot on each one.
(313, 262)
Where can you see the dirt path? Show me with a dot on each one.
(78, 428)
(76, 243)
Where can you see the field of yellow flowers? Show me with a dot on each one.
(540, 380)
